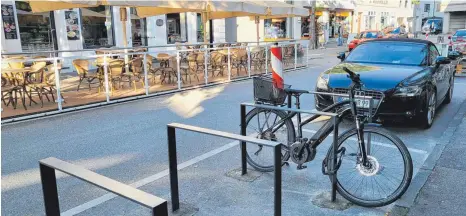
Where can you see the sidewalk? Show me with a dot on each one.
(444, 192)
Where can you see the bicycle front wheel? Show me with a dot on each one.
(269, 125)
(385, 177)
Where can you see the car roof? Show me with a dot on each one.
(461, 30)
(410, 40)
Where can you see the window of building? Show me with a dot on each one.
(200, 28)
(97, 29)
(406, 3)
(138, 29)
(305, 25)
(176, 28)
(426, 7)
(34, 28)
(275, 28)
(437, 6)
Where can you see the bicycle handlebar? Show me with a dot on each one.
(353, 76)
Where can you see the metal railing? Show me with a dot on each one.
(48, 166)
(181, 69)
(171, 133)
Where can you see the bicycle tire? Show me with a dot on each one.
(407, 174)
(290, 133)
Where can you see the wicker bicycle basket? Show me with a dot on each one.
(266, 92)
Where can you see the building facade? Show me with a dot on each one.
(454, 15)
(424, 10)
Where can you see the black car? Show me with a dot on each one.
(407, 77)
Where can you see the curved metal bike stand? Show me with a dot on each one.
(175, 195)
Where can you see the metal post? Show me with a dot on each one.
(57, 84)
(333, 162)
(178, 68)
(278, 180)
(173, 168)
(266, 59)
(243, 144)
(160, 210)
(229, 64)
(249, 61)
(295, 54)
(206, 75)
(107, 91)
(146, 80)
(49, 189)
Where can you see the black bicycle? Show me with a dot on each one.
(374, 166)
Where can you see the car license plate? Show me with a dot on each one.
(360, 103)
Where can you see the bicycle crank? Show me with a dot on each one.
(300, 155)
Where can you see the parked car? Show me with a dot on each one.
(459, 36)
(406, 77)
(396, 33)
(364, 36)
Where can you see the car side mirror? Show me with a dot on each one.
(341, 56)
(442, 60)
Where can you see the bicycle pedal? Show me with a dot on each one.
(300, 167)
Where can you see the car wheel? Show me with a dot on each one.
(449, 95)
(426, 117)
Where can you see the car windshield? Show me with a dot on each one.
(436, 21)
(461, 33)
(369, 35)
(389, 52)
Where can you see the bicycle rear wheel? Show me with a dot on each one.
(258, 121)
(389, 172)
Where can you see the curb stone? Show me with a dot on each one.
(402, 206)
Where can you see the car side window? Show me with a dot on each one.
(433, 52)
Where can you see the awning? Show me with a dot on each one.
(276, 9)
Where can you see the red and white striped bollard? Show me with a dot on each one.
(277, 66)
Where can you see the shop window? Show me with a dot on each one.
(426, 7)
(305, 25)
(176, 28)
(200, 28)
(97, 29)
(138, 29)
(275, 28)
(34, 28)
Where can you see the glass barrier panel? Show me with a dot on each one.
(28, 86)
(257, 59)
(125, 72)
(162, 69)
(217, 70)
(82, 80)
(239, 62)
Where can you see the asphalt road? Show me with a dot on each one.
(127, 142)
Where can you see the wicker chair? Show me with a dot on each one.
(217, 62)
(239, 59)
(137, 72)
(116, 69)
(35, 79)
(82, 68)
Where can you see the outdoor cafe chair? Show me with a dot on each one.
(10, 93)
(116, 69)
(239, 59)
(217, 63)
(35, 79)
(84, 73)
(137, 72)
(16, 65)
(191, 67)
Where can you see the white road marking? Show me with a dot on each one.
(145, 181)
(419, 151)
